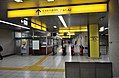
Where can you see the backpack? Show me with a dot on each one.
(1, 49)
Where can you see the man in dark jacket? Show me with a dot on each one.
(1, 49)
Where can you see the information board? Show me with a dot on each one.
(35, 44)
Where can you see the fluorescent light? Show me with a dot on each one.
(71, 34)
(13, 24)
(67, 34)
(106, 28)
(18, 0)
(55, 26)
(62, 20)
(50, 0)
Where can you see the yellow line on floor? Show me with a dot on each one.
(9, 68)
(53, 70)
(41, 61)
(33, 68)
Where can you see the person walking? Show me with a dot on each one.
(23, 49)
(1, 49)
(81, 50)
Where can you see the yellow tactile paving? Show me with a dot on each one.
(41, 61)
(9, 68)
(35, 67)
(53, 70)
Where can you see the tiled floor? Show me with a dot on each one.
(40, 66)
(18, 61)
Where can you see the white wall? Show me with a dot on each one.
(114, 35)
(7, 41)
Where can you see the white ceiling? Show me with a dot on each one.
(75, 20)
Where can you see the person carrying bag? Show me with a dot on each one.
(1, 49)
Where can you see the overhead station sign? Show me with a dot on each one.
(58, 10)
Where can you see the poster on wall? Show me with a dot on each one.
(35, 44)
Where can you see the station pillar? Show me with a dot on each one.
(93, 41)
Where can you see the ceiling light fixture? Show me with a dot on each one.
(50, 0)
(18, 0)
(106, 28)
(102, 29)
(55, 26)
(62, 20)
(13, 24)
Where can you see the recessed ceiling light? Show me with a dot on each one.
(18, 0)
(50, 0)
(55, 26)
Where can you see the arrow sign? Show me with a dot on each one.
(38, 11)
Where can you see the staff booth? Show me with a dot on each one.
(40, 44)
